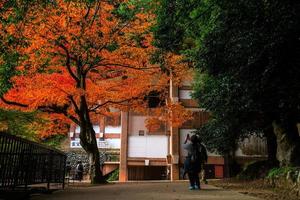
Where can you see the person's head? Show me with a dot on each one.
(194, 139)
(79, 162)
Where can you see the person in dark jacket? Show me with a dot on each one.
(68, 169)
(196, 157)
(79, 171)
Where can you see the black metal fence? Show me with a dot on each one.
(24, 163)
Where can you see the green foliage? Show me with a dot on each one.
(20, 8)
(250, 48)
(54, 141)
(169, 30)
(10, 60)
(281, 171)
(27, 125)
(126, 11)
(256, 170)
(112, 47)
(247, 55)
(19, 123)
(217, 137)
(114, 176)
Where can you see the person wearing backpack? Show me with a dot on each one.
(196, 157)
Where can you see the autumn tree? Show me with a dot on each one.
(79, 59)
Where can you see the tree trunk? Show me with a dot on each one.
(226, 165)
(288, 143)
(96, 175)
(89, 144)
(271, 145)
(235, 167)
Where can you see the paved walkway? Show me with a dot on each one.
(144, 191)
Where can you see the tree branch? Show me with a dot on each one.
(13, 103)
(110, 102)
(98, 6)
(88, 11)
(68, 62)
(74, 104)
(121, 65)
(59, 110)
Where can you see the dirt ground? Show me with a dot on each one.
(255, 188)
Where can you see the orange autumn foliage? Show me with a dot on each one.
(79, 51)
(173, 114)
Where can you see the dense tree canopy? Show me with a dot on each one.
(247, 55)
(79, 58)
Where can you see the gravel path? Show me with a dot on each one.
(143, 191)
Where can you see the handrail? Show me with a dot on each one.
(24, 163)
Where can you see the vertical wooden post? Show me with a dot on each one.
(123, 174)
(175, 154)
(174, 138)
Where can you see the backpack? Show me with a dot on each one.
(198, 154)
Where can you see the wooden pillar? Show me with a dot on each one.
(174, 137)
(174, 140)
(123, 174)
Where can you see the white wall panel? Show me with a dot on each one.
(95, 127)
(112, 129)
(77, 130)
(114, 143)
(148, 146)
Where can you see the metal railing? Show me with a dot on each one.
(24, 163)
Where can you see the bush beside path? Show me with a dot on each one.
(258, 188)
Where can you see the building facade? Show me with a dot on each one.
(159, 154)
(147, 155)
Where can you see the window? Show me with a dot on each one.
(154, 99)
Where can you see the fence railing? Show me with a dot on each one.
(24, 163)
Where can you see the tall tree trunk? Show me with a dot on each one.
(288, 143)
(89, 143)
(271, 145)
(234, 167)
(226, 165)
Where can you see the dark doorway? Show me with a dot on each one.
(147, 172)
